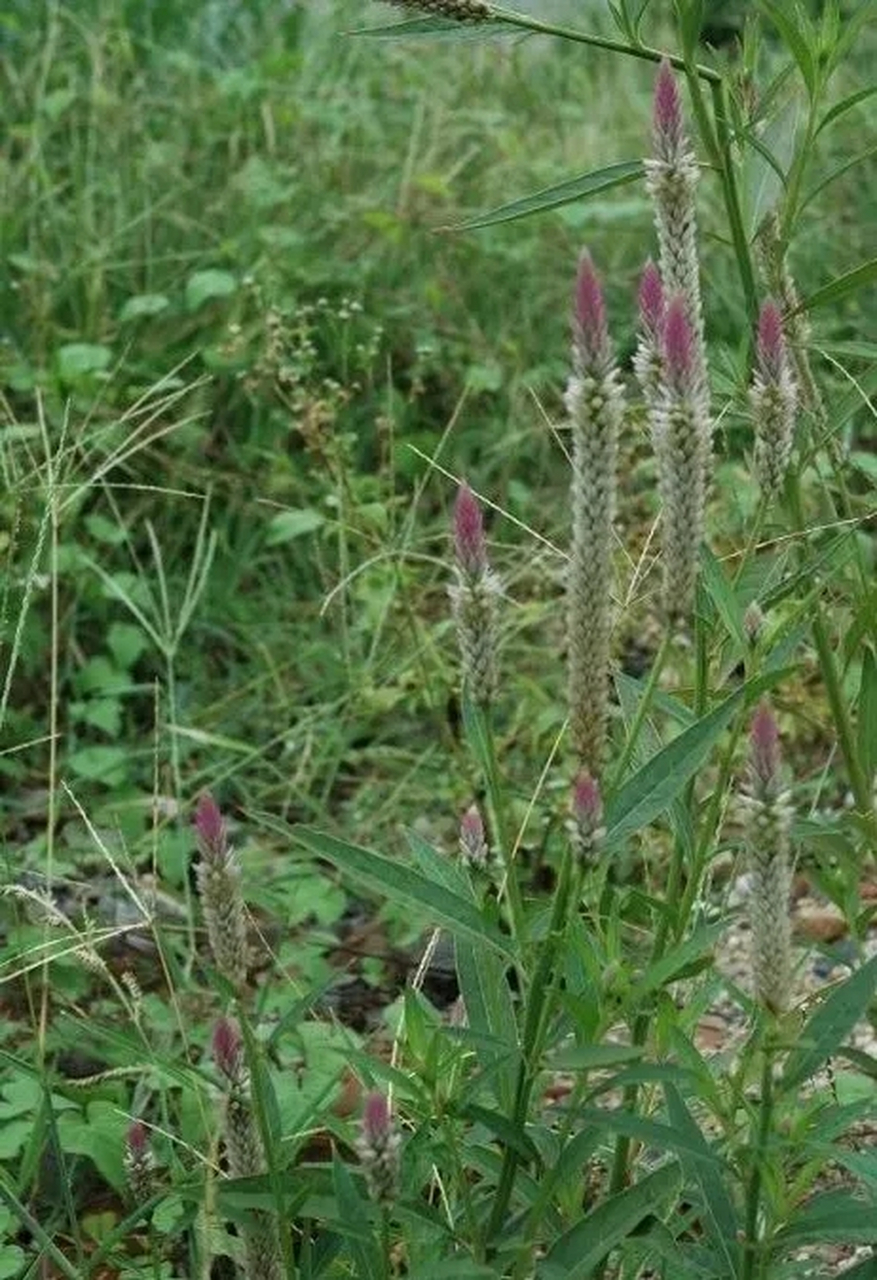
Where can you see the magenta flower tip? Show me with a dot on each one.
(667, 115)
(678, 341)
(227, 1047)
(764, 736)
(208, 822)
(771, 342)
(590, 313)
(376, 1119)
(651, 299)
(137, 1139)
(473, 846)
(587, 805)
(469, 532)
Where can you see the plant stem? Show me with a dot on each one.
(859, 782)
(539, 1002)
(753, 1192)
(386, 1254)
(642, 1022)
(642, 710)
(644, 52)
(732, 198)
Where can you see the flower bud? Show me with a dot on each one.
(473, 846)
(587, 814)
(378, 1148)
(768, 818)
(469, 540)
(139, 1164)
(219, 888)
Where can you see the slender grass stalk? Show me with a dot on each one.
(643, 708)
(642, 51)
(539, 1007)
(643, 1021)
(761, 1123)
(859, 783)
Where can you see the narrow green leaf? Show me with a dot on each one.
(586, 1244)
(830, 1024)
(589, 184)
(690, 16)
(671, 966)
(653, 787)
(703, 1168)
(845, 104)
(834, 1216)
(660, 1137)
(795, 31)
(399, 883)
(594, 1057)
(503, 1128)
(838, 172)
(23, 1216)
(354, 1224)
(438, 29)
(490, 1013)
(867, 714)
(850, 282)
(722, 595)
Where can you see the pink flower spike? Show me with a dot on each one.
(679, 345)
(587, 805)
(667, 114)
(771, 341)
(764, 737)
(209, 824)
(472, 843)
(227, 1048)
(376, 1123)
(137, 1140)
(469, 540)
(651, 300)
(590, 312)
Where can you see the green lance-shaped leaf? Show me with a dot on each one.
(588, 184)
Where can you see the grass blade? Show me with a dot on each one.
(402, 885)
(584, 1246)
(589, 184)
(830, 1024)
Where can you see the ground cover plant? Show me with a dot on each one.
(445, 735)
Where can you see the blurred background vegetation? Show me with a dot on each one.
(243, 354)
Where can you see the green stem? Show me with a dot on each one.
(642, 710)
(732, 198)
(753, 1191)
(641, 51)
(539, 1002)
(480, 734)
(642, 1023)
(386, 1253)
(859, 782)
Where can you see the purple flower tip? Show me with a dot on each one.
(376, 1121)
(469, 532)
(667, 116)
(587, 805)
(209, 824)
(137, 1140)
(764, 739)
(472, 842)
(590, 312)
(678, 342)
(771, 342)
(651, 299)
(227, 1048)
